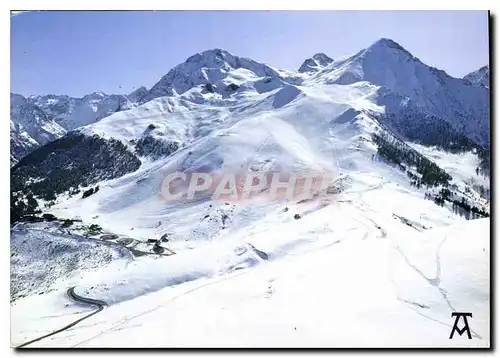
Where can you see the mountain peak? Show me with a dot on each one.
(214, 58)
(98, 94)
(216, 52)
(481, 77)
(322, 57)
(387, 45)
(138, 90)
(94, 95)
(209, 67)
(315, 63)
(137, 94)
(386, 42)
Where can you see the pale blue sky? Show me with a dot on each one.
(79, 52)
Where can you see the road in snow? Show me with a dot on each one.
(79, 299)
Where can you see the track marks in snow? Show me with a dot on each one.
(433, 281)
(421, 305)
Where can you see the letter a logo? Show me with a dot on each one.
(465, 328)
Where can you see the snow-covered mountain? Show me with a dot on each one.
(219, 71)
(30, 127)
(385, 123)
(387, 64)
(21, 143)
(480, 77)
(58, 114)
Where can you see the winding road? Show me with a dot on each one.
(89, 301)
(78, 299)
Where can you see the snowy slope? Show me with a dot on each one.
(461, 166)
(480, 77)
(266, 122)
(347, 275)
(136, 95)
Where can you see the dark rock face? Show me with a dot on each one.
(88, 193)
(232, 87)
(49, 217)
(109, 237)
(315, 63)
(72, 161)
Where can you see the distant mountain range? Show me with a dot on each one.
(37, 120)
